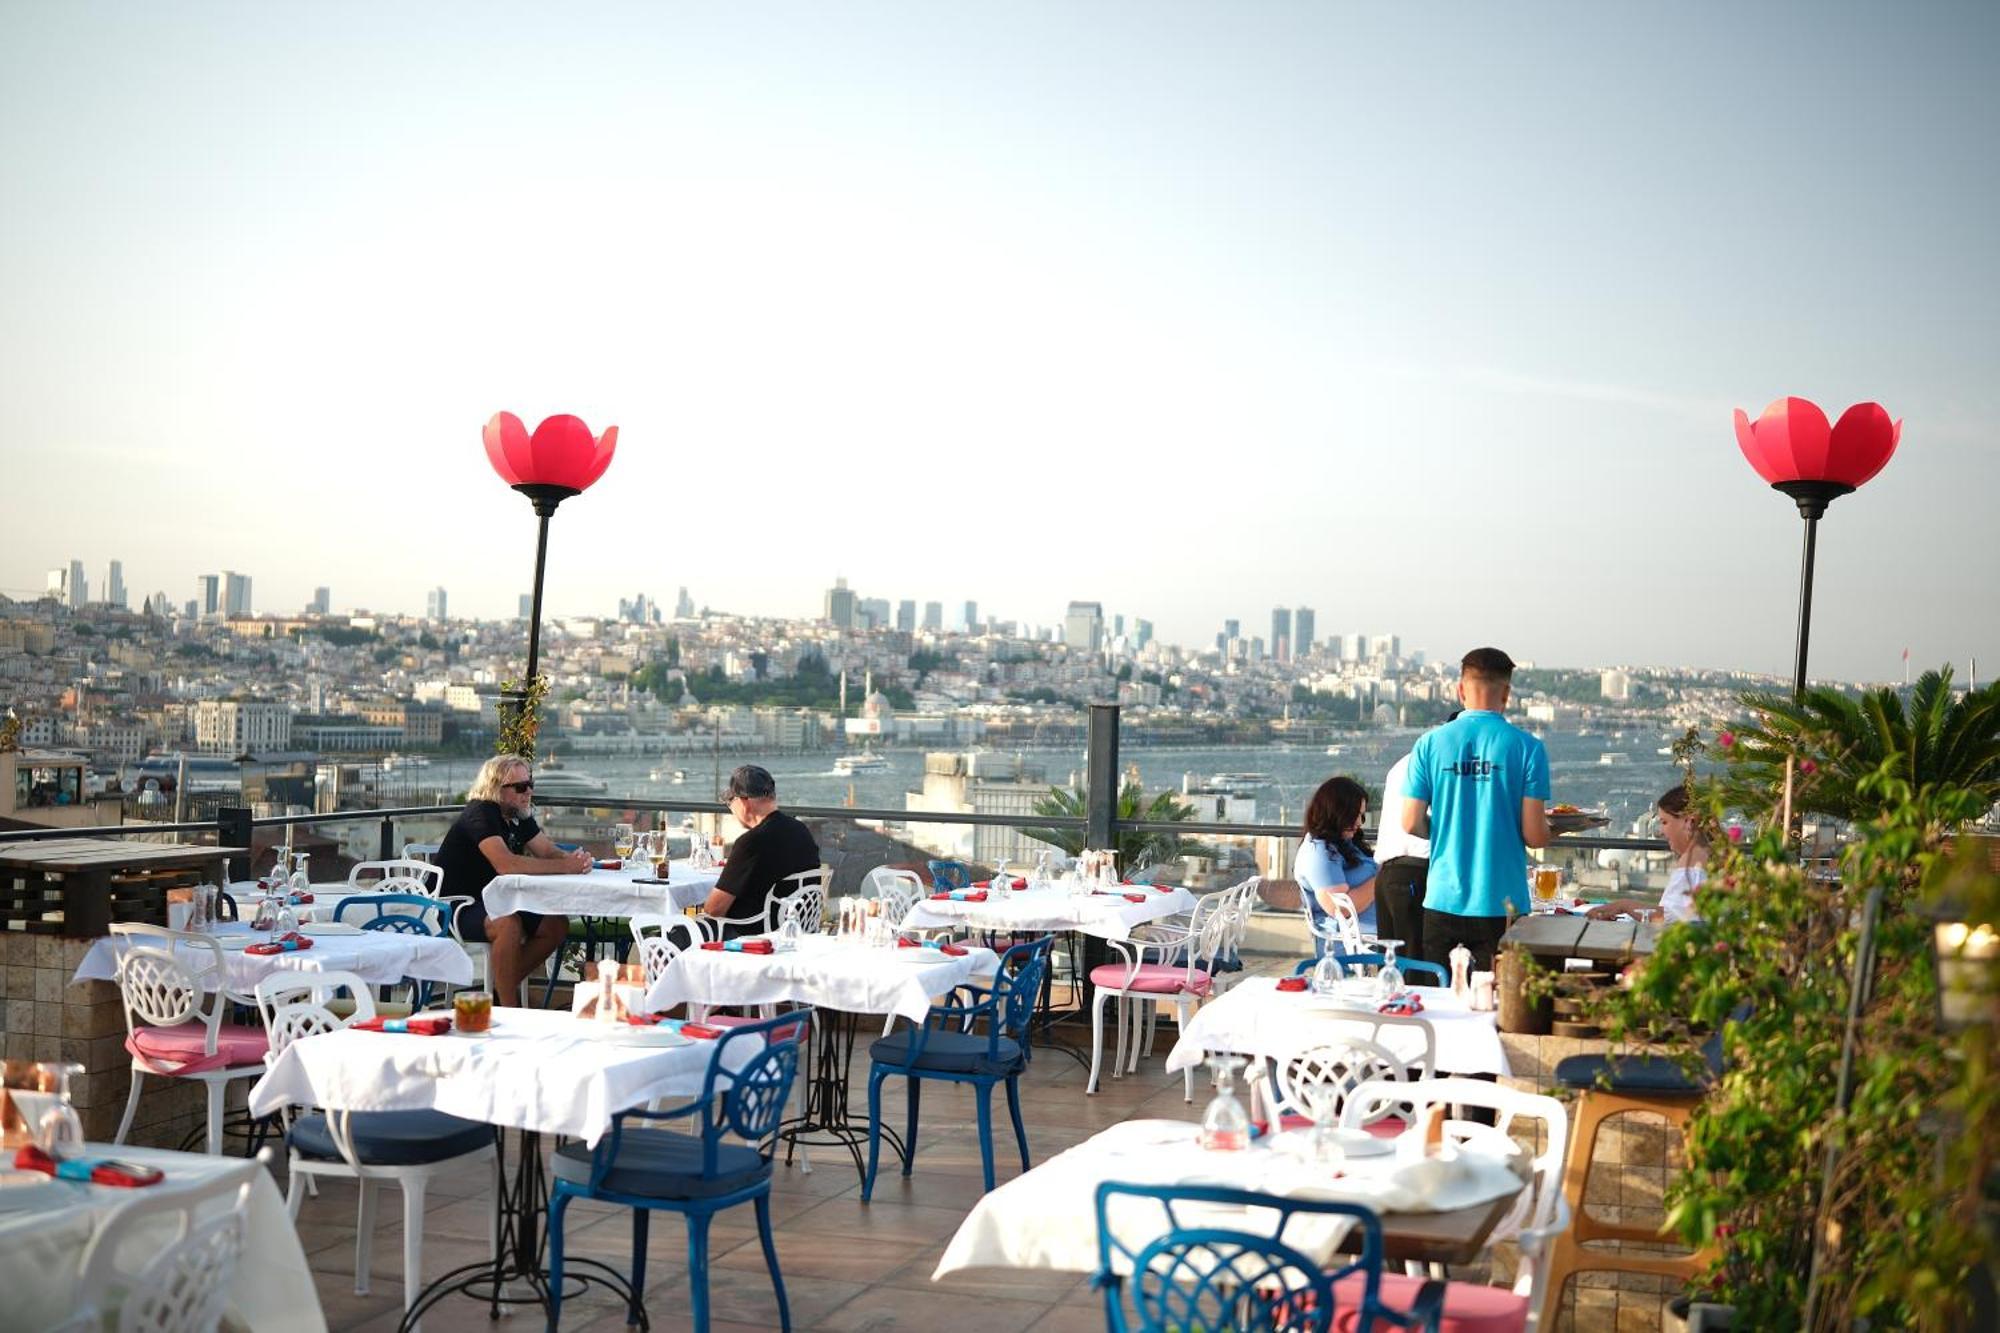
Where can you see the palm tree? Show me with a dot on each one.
(1939, 739)
(1135, 849)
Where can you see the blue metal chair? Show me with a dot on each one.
(402, 914)
(949, 875)
(1190, 1268)
(695, 1175)
(944, 1047)
(1371, 961)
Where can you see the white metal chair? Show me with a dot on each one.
(419, 851)
(897, 890)
(192, 1241)
(1160, 963)
(714, 927)
(174, 1024)
(1540, 1213)
(660, 939)
(406, 875)
(1324, 1077)
(474, 949)
(1341, 931)
(405, 1148)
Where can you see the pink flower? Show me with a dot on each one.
(1736, 833)
(1726, 739)
(1807, 767)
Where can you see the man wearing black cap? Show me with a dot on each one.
(773, 846)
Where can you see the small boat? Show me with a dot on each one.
(866, 762)
(676, 776)
(1239, 784)
(1614, 757)
(553, 779)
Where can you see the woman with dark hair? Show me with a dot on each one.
(1334, 861)
(1688, 840)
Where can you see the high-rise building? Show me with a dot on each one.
(114, 584)
(873, 613)
(840, 604)
(1118, 627)
(211, 595)
(906, 615)
(235, 593)
(971, 617)
(684, 606)
(1302, 631)
(1142, 633)
(1083, 626)
(1281, 633)
(322, 602)
(527, 606)
(78, 589)
(934, 615)
(435, 604)
(58, 584)
(1232, 629)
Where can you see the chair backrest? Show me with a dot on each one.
(949, 875)
(1326, 1075)
(400, 876)
(1210, 928)
(897, 890)
(192, 1241)
(160, 985)
(1196, 1257)
(419, 851)
(294, 1005)
(661, 939)
(801, 895)
(402, 913)
(1340, 929)
(1017, 986)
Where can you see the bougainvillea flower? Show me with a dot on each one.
(1792, 442)
(562, 452)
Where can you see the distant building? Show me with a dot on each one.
(78, 590)
(1232, 629)
(527, 606)
(1142, 633)
(971, 617)
(235, 594)
(114, 584)
(840, 605)
(684, 606)
(435, 604)
(1302, 631)
(1281, 633)
(234, 726)
(934, 616)
(321, 603)
(906, 615)
(1083, 626)
(211, 595)
(1615, 685)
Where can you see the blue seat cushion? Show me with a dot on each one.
(393, 1138)
(657, 1164)
(1632, 1073)
(949, 1053)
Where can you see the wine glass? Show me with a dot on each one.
(1043, 863)
(301, 882)
(1327, 974)
(1327, 1151)
(59, 1133)
(622, 841)
(1225, 1125)
(1388, 977)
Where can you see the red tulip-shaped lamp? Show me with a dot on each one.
(559, 460)
(1794, 449)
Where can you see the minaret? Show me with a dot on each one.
(843, 691)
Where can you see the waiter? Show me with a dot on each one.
(1406, 862)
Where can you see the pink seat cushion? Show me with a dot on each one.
(1388, 1127)
(1468, 1306)
(185, 1044)
(1152, 978)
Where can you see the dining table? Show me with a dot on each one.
(1432, 1210)
(533, 1071)
(1257, 1019)
(378, 957)
(601, 899)
(843, 977)
(1110, 912)
(45, 1225)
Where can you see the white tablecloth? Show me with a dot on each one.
(1258, 1019)
(826, 971)
(378, 957)
(533, 1070)
(44, 1228)
(1047, 1218)
(1106, 914)
(599, 892)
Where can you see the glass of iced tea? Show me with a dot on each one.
(1543, 883)
(473, 1010)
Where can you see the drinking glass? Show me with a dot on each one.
(59, 1132)
(1543, 882)
(301, 882)
(1388, 977)
(1225, 1125)
(622, 841)
(1327, 1152)
(473, 1010)
(1327, 974)
(1043, 864)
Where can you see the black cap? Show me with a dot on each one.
(752, 783)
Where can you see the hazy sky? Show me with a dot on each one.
(1430, 317)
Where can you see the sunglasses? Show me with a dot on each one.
(529, 785)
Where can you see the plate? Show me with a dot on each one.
(1576, 821)
(329, 928)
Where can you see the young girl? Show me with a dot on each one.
(1681, 827)
(1333, 859)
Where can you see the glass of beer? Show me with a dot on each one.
(473, 1010)
(1543, 882)
(623, 841)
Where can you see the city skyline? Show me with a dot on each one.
(1193, 312)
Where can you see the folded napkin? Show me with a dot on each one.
(1292, 983)
(942, 946)
(686, 1027)
(1014, 883)
(960, 896)
(739, 946)
(90, 1170)
(607, 865)
(299, 899)
(434, 1026)
(1128, 897)
(1408, 1005)
(290, 943)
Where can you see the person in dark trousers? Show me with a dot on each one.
(496, 834)
(773, 846)
(1406, 864)
(1483, 785)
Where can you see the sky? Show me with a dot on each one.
(1431, 317)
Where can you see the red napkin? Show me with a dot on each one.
(976, 896)
(94, 1170)
(289, 943)
(1292, 983)
(1014, 883)
(743, 946)
(608, 865)
(955, 950)
(701, 1031)
(435, 1026)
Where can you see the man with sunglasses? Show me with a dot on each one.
(496, 834)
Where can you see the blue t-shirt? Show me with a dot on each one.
(1319, 866)
(1475, 773)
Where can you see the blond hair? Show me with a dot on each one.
(486, 787)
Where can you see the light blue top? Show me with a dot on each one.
(1319, 866)
(1475, 772)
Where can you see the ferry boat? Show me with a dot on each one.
(676, 776)
(553, 779)
(866, 762)
(1238, 784)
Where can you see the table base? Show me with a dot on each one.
(826, 1120)
(518, 1273)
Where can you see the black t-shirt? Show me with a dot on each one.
(777, 847)
(466, 869)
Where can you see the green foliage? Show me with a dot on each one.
(387, 654)
(1939, 739)
(343, 636)
(521, 717)
(1772, 964)
(1135, 849)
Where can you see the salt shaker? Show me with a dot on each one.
(1461, 973)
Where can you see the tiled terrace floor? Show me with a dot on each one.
(848, 1266)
